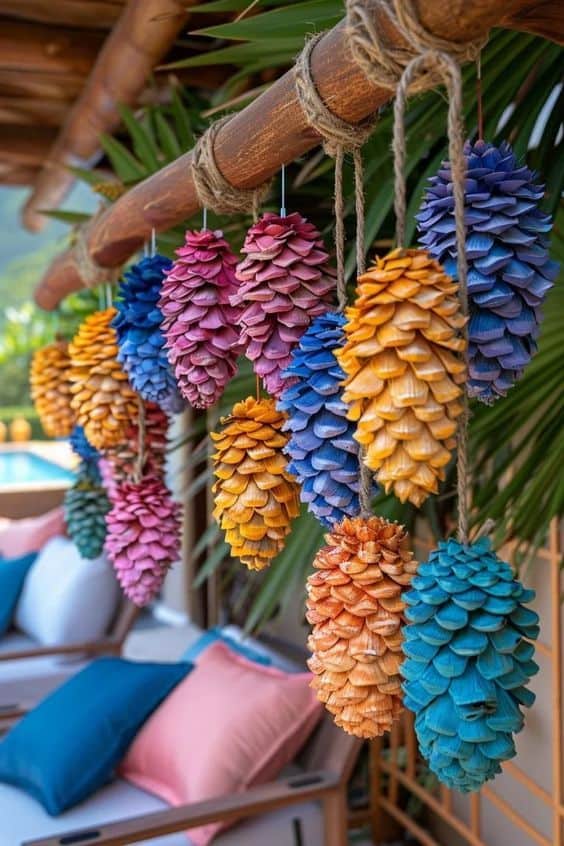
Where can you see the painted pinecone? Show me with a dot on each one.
(255, 496)
(322, 450)
(82, 447)
(86, 505)
(200, 326)
(143, 539)
(285, 283)
(102, 398)
(123, 458)
(507, 250)
(468, 661)
(50, 389)
(403, 371)
(140, 339)
(355, 605)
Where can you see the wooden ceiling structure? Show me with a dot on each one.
(64, 67)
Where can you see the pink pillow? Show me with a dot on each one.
(31, 534)
(229, 725)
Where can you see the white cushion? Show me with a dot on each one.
(66, 598)
(22, 818)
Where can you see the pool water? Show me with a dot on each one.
(21, 468)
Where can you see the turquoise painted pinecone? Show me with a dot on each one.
(468, 662)
(86, 505)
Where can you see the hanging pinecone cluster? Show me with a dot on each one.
(469, 661)
(323, 453)
(102, 398)
(199, 324)
(285, 283)
(255, 497)
(86, 505)
(355, 604)
(50, 389)
(140, 339)
(403, 371)
(143, 539)
(509, 267)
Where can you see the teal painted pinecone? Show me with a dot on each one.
(468, 662)
(86, 506)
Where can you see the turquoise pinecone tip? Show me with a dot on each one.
(468, 661)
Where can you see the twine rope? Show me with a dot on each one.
(91, 273)
(449, 70)
(339, 137)
(383, 61)
(142, 431)
(213, 189)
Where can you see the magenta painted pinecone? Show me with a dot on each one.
(199, 324)
(285, 283)
(143, 538)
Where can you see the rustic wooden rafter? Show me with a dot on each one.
(31, 111)
(90, 14)
(142, 36)
(23, 145)
(36, 47)
(272, 131)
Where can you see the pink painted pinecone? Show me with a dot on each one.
(285, 283)
(200, 326)
(143, 538)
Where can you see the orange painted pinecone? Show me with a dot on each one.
(356, 609)
(51, 390)
(255, 497)
(102, 398)
(403, 371)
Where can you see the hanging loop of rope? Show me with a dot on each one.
(443, 65)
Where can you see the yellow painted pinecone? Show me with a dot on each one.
(356, 609)
(51, 390)
(103, 400)
(403, 371)
(255, 497)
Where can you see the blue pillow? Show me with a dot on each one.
(12, 577)
(213, 635)
(69, 745)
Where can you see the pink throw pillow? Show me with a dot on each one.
(31, 534)
(229, 725)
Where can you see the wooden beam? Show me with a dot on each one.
(35, 47)
(31, 111)
(269, 132)
(23, 145)
(93, 14)
(19, 176)
(50, 86)
(140, 39)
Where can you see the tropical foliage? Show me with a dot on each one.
(518, 445)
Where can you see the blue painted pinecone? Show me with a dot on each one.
(323, 453)
(82, 447)
(468, 661)
(509, 270)
(140, 339)
(86, 505)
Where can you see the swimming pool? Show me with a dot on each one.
(20, 468)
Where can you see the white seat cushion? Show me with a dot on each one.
(66, 598)
(22, 818)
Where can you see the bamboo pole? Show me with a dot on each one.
(269, 132)
(140, 39)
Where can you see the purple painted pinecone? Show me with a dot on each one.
(509, 269)
(285, 283)
(199, 323)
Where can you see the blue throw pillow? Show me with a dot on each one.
(213, 635)
(12, 577)
(69, 745)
